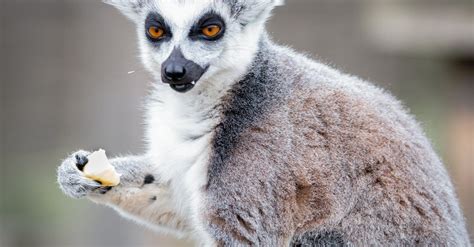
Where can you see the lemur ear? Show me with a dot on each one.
(130, 8)
(248, 11)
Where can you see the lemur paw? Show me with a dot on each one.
(73, 182)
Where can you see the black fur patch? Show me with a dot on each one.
(149, 179)
(247, 102)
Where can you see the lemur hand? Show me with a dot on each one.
(73, 182)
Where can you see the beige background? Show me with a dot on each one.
(64, 86)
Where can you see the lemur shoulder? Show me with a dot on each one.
(253, 144)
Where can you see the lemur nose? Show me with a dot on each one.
(175, 72)
(180, 73)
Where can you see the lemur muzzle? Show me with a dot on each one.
(181, 73)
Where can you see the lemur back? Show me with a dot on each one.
(324, 158)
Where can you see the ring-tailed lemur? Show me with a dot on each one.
(250, 143)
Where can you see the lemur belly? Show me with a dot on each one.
(180, 144)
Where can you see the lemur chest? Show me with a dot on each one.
(180, 143)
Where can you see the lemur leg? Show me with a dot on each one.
(236, 226)
(140, 195)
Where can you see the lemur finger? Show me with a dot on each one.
(73, 184)
(102, 190)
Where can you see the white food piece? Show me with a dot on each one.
(99, 168)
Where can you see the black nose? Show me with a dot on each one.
(180, 73)
(174, 72)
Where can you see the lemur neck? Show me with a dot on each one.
(240, 61)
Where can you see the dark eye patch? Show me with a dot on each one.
(210, 18)
(156, 20)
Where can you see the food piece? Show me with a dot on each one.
(98, 168)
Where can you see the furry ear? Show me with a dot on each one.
(130, 8)
(247, 11)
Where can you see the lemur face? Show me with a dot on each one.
(188, 43)
(182, 40)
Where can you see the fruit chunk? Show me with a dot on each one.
(98, 168)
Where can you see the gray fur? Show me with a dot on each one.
(133, 171)
(300, 154)
(135, 197)
(303, 148)
(70, 179)
(131, 8)
(246, 11)
(327, 239)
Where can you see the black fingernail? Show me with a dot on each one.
(81, 162)
(105, 190)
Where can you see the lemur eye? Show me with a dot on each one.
(211, 31)
(155, 32)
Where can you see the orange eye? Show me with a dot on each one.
(156, 32)
(211, 31)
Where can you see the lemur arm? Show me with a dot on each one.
(140, 195)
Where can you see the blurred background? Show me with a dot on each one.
(65, 85)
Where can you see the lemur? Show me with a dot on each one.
(252, 144)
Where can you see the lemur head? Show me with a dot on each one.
(188, 42)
